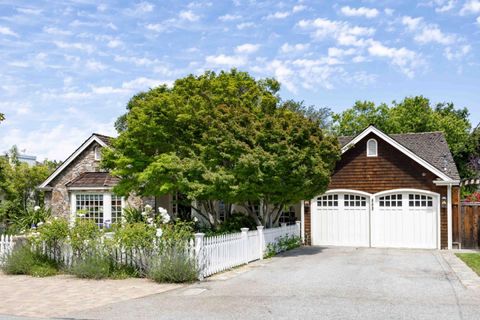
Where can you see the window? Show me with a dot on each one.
(98, 153)
(421, 201)
(394, 200)
(330, 200)
(372, 148)
(350, 200)
(116, 209)
(222, 211)
(287, 216)
(91, 205)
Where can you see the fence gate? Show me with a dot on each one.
(469, 225)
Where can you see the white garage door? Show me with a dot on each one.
(342, 219)
(405, 220)
(399, 219)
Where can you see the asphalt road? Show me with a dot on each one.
(316, 283)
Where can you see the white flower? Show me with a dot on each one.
(159, 232)
(81, 215)
(166, 218)
(162, 210)
(144, 213)
(36, 208)
(148, 208)
(40, 224)
(195, 219)
(150, 220)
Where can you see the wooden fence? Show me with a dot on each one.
(467, 225)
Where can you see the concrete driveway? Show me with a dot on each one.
(316, 283)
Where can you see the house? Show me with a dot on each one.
(394, 190)
(80, 184)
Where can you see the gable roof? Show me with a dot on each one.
(430, 149)
(94, 180)
(102, 140)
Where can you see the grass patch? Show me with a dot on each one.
(472, 260)
(24, 260)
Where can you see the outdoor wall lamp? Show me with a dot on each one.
(444, 202)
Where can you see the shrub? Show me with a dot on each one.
(31, 217)
(136, 235)
(235, 222)
(178, 232)
(92, 266)
(173, 265)
(53, 232)
(23, 260)
(84, 235)
(282, 244)
(133, 215)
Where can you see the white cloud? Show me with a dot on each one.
(471, 7)
(445, 6)
(56, 31)
(30, 11)
(114, 43)
(283, 73)
(189, 16)
(229, 17)
(144, 83)
(359, 12)
(144, 7)
(137, 60)
(94, 65)
(389, 11)
(427, 33)
(456, 54)
(157, 27)
(75, 46)
(298, 8)
(403, 58)
(224, 60)
(341, 31)
(478, 20)
(247, 48)
(7, 32)
(278, 15)
(245, 25)
(290, 48)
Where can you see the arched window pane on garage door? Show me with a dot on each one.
(393, 200)
(420, 201)
(350, 200)
(330, 200)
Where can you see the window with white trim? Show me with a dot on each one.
(116, 205)
(420, 201)
(350, 200)
(393, 200)
(97, 153)
(329, 200)
(90, 206)
(372, 148)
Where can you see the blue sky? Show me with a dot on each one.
(69, 67)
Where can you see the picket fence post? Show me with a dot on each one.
(299, 227)
(261, 241)
(199, 253)
(245, 243)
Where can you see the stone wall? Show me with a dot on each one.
(58, 199)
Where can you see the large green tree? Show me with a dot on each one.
(2, 117)
(224, 137)
(413, 114)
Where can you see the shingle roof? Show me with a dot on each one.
(94, 180)
(106, 139)
(430, 146)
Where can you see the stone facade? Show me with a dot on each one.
(58, 199)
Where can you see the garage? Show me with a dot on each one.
(387, 191)
(392, 219)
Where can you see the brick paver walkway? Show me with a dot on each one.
(63, 294)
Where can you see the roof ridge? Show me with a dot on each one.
(102, 135)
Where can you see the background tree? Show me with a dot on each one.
(413, 114)
(18, 183)
(224, 137)
(2, 117)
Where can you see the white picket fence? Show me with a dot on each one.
(6, 246)
(219, 253)
(214, 254)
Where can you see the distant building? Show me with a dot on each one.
(30, 160)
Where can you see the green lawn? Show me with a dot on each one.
(472, 260)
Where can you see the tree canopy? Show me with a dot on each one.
(2, 117)
(224, 136)
(18, 184)
(413, 114)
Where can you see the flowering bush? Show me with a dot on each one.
(83, 235)
(474, 197)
